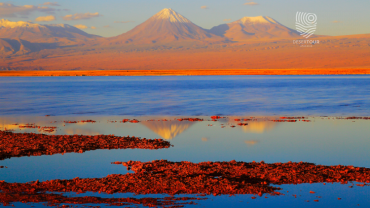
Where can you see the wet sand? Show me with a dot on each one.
(187, 72)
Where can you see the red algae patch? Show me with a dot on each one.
(356, 118)
(158, 177)
(28, 126)
(208, 178)
(190, 119)
(242, 124)
(284, 120)
(56, 200)
(215, 118)
(290, 118)
(30, 144)
(88, 121)
(70, 122)
(131, 121)
(47, 129)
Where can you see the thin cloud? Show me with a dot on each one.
(11, 10)
(45, 18)
(204, 7)
(92, 27)
(336, 21)
(79, 16)
(81, 26)
(123, 22)
(227, 20)
(51, 4)
(106, 26)
(251, 3)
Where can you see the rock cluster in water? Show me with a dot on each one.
(30, 144)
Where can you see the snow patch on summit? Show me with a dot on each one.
(171, 15)
(258, 19)
(60, 25)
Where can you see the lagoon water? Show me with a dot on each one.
(196, 95)
(329, 138)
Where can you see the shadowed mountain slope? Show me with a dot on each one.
(62, 34)
(9, 47)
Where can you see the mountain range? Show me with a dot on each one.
(165, 27)
(168, 40)
(62, 34)
(248, 28)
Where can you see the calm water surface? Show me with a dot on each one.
(203, 95)
(325, 140)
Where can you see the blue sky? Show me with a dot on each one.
(335, 17)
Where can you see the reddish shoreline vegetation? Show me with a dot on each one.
(56, 200)
(30, 144)
(164, 177)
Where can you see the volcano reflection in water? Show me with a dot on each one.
(168, 129)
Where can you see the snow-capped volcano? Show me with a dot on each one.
(260, 27)
(171, 15)
(53, 33)
(164, 27)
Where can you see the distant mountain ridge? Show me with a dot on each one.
(169, 26)
(63, 34)
(260, 27)
(165, 30)
(165, 27)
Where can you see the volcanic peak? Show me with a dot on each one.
(171, 15)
